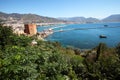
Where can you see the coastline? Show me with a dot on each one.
(88, 39)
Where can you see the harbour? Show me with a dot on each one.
(86, 36)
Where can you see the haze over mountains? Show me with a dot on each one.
(81, 19)
(29, 18)
(111, 18)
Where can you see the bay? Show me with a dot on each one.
(85, 38)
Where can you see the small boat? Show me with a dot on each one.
(105, 25)
(103, 36)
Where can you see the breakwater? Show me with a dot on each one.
(45, 33)
(63, 30)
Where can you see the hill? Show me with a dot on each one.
(33, 18)
(27, 18)
(112, 18)
(81, 19)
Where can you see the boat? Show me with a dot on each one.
(103, 36)
(105, 25)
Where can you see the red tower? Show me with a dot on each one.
(30, 29)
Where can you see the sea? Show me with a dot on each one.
(84, 36)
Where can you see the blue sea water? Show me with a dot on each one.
(86, 38)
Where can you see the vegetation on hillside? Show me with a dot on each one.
(19, 60)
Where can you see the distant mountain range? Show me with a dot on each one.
(112, 18)
(81, 19)
(27, 18)
(33, 18)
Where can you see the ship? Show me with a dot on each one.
(103, 36)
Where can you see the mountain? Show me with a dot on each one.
(92, 20)
(33, 18)
(76, 19)
(112, 18)
(81, 19)
(27, 18)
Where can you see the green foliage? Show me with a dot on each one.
(118, 50)
(106, 67)
(18, 63)
(20, 40)
(100, 50)
(77, 51)
(5, 36)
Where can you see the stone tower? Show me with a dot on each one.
(30, 29)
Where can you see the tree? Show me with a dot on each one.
(5, 35)
(100, 50)
(21, 40)
(77, 51)
(118, 50)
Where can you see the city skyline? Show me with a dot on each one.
(62, 8)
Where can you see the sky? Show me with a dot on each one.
(62, 8)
